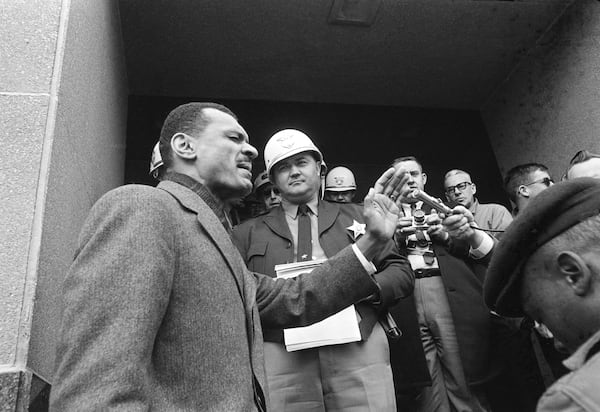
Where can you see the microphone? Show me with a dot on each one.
(431, 201)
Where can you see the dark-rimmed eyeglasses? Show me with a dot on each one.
(547, 181)
(461, 186)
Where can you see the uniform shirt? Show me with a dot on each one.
(291, 217)
(580, 389)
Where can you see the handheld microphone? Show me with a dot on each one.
(431, 201)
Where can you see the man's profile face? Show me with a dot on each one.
(537, 183)
(589, 168)
(416, 177)
(298, 178)
(224, 156)
(459, 189)
(547, 298)
(343, 196)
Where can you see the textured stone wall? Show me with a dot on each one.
(550, 106)
(63, 106)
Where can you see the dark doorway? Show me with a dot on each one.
(364, 138)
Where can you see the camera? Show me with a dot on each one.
(419, 220)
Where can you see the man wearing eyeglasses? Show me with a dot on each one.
(460, 189)
(524, 182)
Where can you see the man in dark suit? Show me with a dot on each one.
(350, 376)
(160, 311)
(453, 319)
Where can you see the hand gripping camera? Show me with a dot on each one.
(419, 217)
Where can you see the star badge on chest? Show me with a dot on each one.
(357, 229)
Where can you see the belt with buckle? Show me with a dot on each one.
(426, 273)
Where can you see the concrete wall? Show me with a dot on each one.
(550, 106)
(63, 104)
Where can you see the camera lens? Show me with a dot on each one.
(419, 218)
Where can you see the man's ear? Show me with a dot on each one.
(474, 188)
(575, 271)
(322, 170)
(183, 146)
(523, 191)
(424, 178)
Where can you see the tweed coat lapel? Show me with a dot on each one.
(209, 221)
(245, 285)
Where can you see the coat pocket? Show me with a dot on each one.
(256, 258)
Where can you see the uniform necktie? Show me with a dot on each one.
(304, 235)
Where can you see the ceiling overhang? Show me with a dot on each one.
(415, 53)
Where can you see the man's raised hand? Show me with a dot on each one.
(392, 184)
(381, 215)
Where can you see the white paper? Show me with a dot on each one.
(336, 329)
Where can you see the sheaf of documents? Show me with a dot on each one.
(336, 329)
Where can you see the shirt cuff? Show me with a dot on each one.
(369, 266)
(483, 249)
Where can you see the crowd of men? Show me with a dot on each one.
(170, 306)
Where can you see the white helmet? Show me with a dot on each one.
(340, 179)
(287, 143)
(156, 161)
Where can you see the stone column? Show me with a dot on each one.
(63, 103)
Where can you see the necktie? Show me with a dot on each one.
(304, 235)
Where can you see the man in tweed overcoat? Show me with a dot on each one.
(159, 309)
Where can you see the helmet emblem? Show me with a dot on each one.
(286, 141)
(339, 180)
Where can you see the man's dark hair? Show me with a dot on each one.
(519, 175)
(406, 159)
(579, 157)
(188, 118)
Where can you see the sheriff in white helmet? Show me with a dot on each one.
(284, 150)
(287, 143)
(351, 376)
(340, 185)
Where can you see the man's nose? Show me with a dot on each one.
(250, 151)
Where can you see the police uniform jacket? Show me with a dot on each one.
(266, 241)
